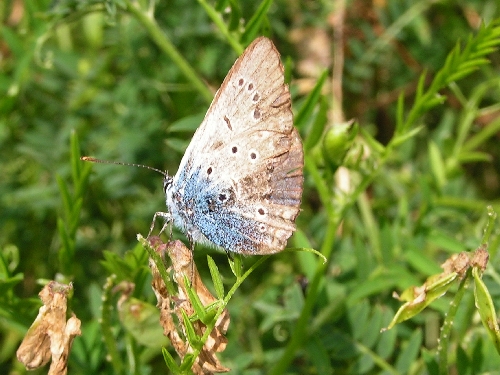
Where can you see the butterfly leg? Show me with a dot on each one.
(191, 241)
(166, 216)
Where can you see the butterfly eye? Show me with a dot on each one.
(167, 182)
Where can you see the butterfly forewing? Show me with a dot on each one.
(240, 182)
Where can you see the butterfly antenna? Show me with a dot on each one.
(94, 160)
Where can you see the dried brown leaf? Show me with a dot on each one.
(50, 335)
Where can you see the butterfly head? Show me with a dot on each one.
(167, 183)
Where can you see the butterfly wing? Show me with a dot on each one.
(240, 180)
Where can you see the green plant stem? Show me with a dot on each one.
(132, 357)
(168, 48)
(108, 337)
(371, 228)
(219, 22)
(320, 185)
(300, 332)
(482, 136)
(490, 225)
(444, 337)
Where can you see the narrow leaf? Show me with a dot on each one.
(75, 157)
(486, 308)
(437, 164)
(318, 126)
(400, 113)
(198, 307)
(170, 362)
(216, 277)
(372, 142)
(404, 137)
(65, 195)
(253, 26)
(191, 335)
(472, 157)
(312, 99)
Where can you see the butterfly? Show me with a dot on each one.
(239, 184)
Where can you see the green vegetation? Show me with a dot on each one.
(388, 197)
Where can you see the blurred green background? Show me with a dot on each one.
(93, 76)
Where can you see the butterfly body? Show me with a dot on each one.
(239, 184)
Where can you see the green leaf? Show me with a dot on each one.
(401, 138)
(253, 26)
(114, 264)
(408, 355)
(318, 126)
(376, 284)
(446, 242)
(312, 99)
(308, 262)
(65, 195)
(432, 101)
(187, 364)
(236, 265)
(235, 15)
(437, 165)
(170, 362)
(220, 5)
(400, 113)
(388, 339)
(76, 164)
(320, 357)
(422, 262)
(198, 307)
(65, 254)
(216, 277)
(160, 265)
(191, 335)
(435, 287)
(486, 308)
(420, 86)
(482, 136)
(7, 284)
(372, 142)
(472, 157)
(142, 321)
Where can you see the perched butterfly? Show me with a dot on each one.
(239, 183)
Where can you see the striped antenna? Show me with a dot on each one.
(94, 160)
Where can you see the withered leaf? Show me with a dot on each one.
(50, 335)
